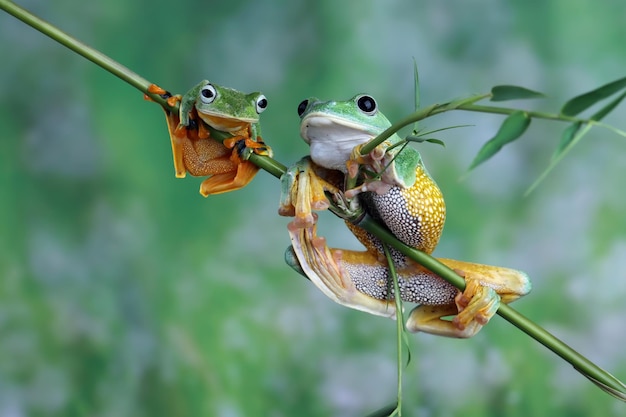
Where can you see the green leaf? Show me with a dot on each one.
(567, 137)
(584, 101)
(608, 108)
(417, 92)
(436, 142)
(417, 85)
(421, 139)
(512, 92)
(512, 128)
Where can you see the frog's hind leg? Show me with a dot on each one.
(510, 284)
(229, 181)
(430, 319)
(468, 316)
(327, 269)
(361, 279)
(486, 287)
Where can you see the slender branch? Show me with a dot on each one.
(599, 376)
(417, 116)
(467, 104)
(579, 362)
(82, 49)
(506, 110)
(400, 330)
(268, 164)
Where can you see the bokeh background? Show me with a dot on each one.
(123, 292)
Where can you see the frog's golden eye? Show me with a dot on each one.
(261, 104)
(367, 104)
(302, 107)
(208, 94)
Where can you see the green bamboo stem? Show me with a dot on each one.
(465, 104)
(400, 330)
(599, 376)
(82, 49)
(578, 361)
(125, 74)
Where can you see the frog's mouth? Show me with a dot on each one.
(226, 123)
(332, 139)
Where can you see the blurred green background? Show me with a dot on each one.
(124, 293)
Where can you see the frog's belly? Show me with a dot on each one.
(416, 285)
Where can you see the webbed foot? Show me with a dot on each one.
(303, 191)
(310, 256)
(486, 287)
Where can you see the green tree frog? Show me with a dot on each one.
(395, 189)
(193, 149)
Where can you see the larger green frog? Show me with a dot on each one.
(394, 187)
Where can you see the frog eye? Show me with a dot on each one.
(302, 107)
(208, 94)
(261, 104)
(367, 104)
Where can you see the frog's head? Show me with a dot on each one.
(334, 128)
(226, 109)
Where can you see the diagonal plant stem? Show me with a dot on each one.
(600, 377)
(82, 49)
(466, 104)
(125, 74)
(605, 380)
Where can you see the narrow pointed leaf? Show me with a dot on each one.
(417, 85)
(513, 92)
(436, 142)
(417, 92)
(567, 138)
(421, 139)
(599, 115)
(422, 133)
(512, 128)
(586, 100)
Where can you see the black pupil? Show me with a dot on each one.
(207, 92)
(366, 104)
(302, 107)
(262, 103)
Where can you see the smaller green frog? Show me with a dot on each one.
(393, 187)
(195, 151)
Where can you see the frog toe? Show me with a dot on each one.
(325, 268)
(302, 191)
(476, 305)
(430, 319)
(155, 89)
(243, 147)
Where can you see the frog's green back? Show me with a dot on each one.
(405, 164)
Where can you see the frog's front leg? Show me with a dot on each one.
(243, 146)
(177, 135)
(302, 191)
